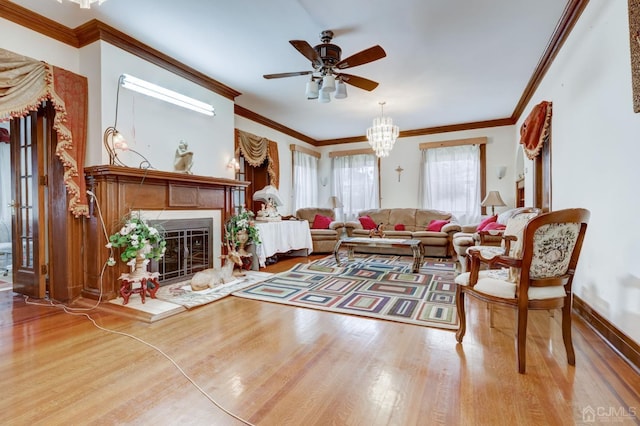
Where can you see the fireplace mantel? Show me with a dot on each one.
(120, 190)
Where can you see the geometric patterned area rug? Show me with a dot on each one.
(376, 286)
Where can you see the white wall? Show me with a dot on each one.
(406, 154)
(154, 127)
(595, 151)
(151, 127)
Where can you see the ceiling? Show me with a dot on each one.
(448, 62)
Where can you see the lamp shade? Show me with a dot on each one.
(312, 89)
(268, 193)
(324, 97)
(493, 199)
(328, 83)
(341, 90)
(334, 202)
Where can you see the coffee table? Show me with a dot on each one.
(353, 242)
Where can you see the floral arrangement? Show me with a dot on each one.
(136, 237)
(243, 221)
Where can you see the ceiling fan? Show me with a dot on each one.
(325, 60)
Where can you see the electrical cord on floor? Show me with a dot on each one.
(81, 312)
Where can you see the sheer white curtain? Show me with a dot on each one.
(355, 183)
(305, 181)
(450, 181)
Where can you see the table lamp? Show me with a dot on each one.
(270, 196)
(335, 203)
(493, 199)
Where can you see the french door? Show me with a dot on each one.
(259, 178)
(30, 136)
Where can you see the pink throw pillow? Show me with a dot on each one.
(483, 225)
(494, 226)
(399, 227)
(321, 222)
(436, 225)
(367, 223)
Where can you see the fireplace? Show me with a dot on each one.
(159, 197)
(193, 242)
(189, 249)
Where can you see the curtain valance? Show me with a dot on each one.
(24, 84)
(256, 149)
(535, 129)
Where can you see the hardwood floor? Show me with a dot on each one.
(280, 365)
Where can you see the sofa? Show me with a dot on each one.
(409, 223)
(326, 233)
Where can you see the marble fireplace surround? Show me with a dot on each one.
(158, 195)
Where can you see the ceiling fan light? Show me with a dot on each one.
(324, 97)
(312, 89)
(328, 83)
(341, 90)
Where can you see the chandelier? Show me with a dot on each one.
(383, 134)
(85, 4)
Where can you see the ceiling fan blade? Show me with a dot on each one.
(368, 55)
(287, 74)
(308, 51)
(361, 82)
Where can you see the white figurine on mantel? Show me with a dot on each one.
(183, 159)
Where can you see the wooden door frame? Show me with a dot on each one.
(542, 177)
(64, 233)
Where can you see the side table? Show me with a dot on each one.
(148, 284)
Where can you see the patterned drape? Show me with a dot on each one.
(255, 149)
(24, 84)
(535, 129)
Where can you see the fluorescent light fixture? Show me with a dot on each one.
(85, 4)
(150, 89)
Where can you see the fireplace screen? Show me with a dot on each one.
(189, 249)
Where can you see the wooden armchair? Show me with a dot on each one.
(539, 275)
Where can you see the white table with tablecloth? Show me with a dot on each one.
(283, 236)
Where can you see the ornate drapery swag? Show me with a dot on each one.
(255, 149)
(535, 129)
(24, 84)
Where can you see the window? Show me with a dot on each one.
(355, 181)
(451, 179)
(305, 180)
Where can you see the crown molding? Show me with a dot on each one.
(38, 23)
(95, 30)
(427, 131)
(250, 115)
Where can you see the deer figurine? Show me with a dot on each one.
(212, 278)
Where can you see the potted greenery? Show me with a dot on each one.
(240, 230)
(140, 243)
